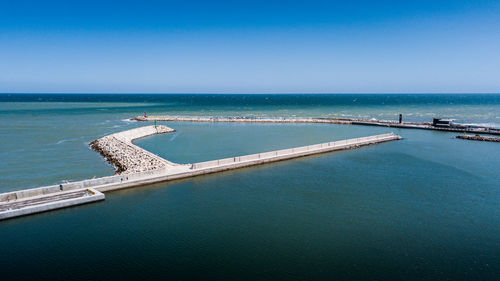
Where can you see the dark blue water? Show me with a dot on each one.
(422, 208)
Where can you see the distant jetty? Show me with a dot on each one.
(445, 125)
(136, 166)
(479, 138)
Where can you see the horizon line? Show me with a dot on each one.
(250, 93)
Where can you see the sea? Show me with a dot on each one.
(423, 208)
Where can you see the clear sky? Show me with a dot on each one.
(250, 46)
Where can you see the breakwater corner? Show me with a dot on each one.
(118, 149)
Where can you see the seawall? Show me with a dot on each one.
(47, 201)
(208, 167)
(242, 119)
(155, 169)
(343, 121)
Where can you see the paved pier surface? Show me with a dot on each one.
(344, 121)
(41, 199)
(46, 202)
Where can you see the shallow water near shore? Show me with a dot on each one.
(425, 207)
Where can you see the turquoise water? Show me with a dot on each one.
(425, 207)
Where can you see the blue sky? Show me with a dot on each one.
(250, 46)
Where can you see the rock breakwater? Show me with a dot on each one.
(478, 138)
(344, 121)
(140, 167)
(127, 157)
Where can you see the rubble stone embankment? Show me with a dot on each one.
(478, 138)
(344, 121)
(127, 157)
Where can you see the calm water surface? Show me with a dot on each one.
(426, 207)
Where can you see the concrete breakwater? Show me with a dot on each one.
(479, 138)
(343, 121)
(290, 153)
(37, 200)
(119, 150)
(42, 199)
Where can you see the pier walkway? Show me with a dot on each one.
(42, 199)
(13, 204)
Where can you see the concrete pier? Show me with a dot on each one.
(137, 172)
(208, 167)
(343, 121)
(13, 204)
